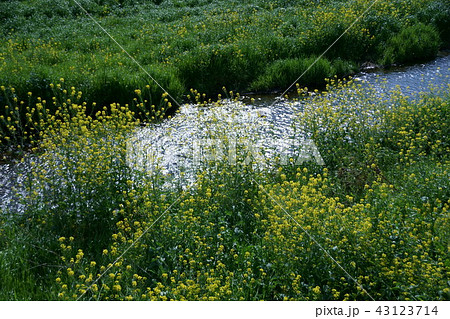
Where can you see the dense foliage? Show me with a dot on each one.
(90, 226)
(205, 44)
(94, 227)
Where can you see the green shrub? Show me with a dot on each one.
(118, 85)
(437, 13)
(210, 68)
(415, 43)
(282, 73)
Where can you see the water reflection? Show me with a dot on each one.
(264, 127)
(410, 80)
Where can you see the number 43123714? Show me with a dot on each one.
(406, 310)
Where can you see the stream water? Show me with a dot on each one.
(262, 127)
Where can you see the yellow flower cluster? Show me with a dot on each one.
(379, 208)
(242, 233)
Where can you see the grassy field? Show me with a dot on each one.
(94, 228)
(243, 45)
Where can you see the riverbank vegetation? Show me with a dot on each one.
(90, 226)
(206, 44)
(245, 46)
(94, 228)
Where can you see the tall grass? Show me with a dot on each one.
(200, 44)
(282, 73)
(416, 43)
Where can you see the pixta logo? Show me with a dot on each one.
(143, 154)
